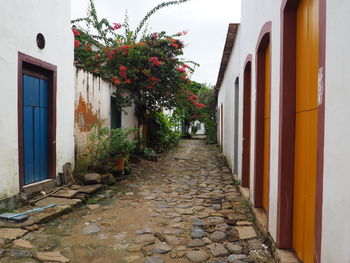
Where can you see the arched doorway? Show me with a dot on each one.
(262, 120)
(301, 128)
(246, 121)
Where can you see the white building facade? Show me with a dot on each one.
(282, 107)
(37, 94)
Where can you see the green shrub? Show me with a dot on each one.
(105, 146)
(162, 134)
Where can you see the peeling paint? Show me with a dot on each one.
(84, 115)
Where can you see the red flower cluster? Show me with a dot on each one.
(181, 70)
(149, 87)
(128, 81)
(154, 80)
(87, 47)
(154, 36)
(116, 80)
(199, 105)
(75, 32)
(76, 43)
(194, 99)
(122, 71)
(116, 26)
(175, 45)
(154, 61)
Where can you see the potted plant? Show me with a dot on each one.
(121, 147)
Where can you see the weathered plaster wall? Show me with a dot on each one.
(20, 22)
(336, 201)
(93, 104)
(254, 15)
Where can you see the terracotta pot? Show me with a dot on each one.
(120, 164)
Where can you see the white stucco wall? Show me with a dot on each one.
(336, 201)
(94, 94)
(254, 15)
(21, 21)
(336, 193)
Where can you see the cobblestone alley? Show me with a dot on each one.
(183, 208)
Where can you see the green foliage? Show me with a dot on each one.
(194, 129)
(119, 144)
(162, 135)
(98, 147)
(189, 107)
(105, 146)
(208, 113)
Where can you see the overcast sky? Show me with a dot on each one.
(206, 21)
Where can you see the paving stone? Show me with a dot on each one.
(174, 241)
(183, 211)
(65, 193)
(233, 258)
(134, 248)
(146, 230)
(255, 244)
(58, 201)
(161, 248)
(234, 248)
(198, 222)
(16, 253)
(131, 259)
(198, 256)
(89, 189)
(246, 232)
(215, 220)
(217, 236)
(153, 260)
(145, 239)
(219, 261)
(196, 243)
(218, 250)
(52, 257)
(22, 243)
(12, 233)
(91, 229)
(198, 233)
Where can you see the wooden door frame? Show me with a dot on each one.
(263, 42)
(247, 85)
(287, 125)
(37, 68)
(236, 126)
(222, 126)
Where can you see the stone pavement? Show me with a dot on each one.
(184, 208)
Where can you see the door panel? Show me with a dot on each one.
(35, 129)
(304, 203)
(267, 103)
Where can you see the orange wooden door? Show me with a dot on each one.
(306, 130)
(267, 104)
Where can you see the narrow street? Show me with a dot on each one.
(183, 208)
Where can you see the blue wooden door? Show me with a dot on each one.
(35, 129)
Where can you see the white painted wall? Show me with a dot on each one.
(96, 94)
(21, 21)
(254, 15)
(336, 193)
